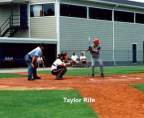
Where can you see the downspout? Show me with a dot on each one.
(113, 35)
(29, 21)
(57, 13)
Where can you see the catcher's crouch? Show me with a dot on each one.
(58, 67)
(95, 56)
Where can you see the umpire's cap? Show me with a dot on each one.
(42, 47)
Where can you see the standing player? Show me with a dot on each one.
(95, 56)
(58, 67)
(31, 61)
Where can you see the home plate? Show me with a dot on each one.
(138, 78)
(123, 76)
(91, 79)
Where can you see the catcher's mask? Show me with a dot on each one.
(61, 56)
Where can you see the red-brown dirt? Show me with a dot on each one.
(114, 96)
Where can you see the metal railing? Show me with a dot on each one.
(9, 24)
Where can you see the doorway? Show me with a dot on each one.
(23, 16)
(12, 54)
(134, 53)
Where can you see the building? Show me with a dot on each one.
(66, 25)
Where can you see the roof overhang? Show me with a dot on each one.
(27, 40)
(123, 3)
(13, 1)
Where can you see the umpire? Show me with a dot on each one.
(31, 61)
(95, 56)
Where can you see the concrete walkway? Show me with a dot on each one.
(14, 70)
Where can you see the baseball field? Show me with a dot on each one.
(120, 94)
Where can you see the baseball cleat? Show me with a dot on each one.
(92, 75)
(37, 77)
(102, 75)
(30, 79)
(58, 78)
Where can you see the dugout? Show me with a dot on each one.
(12, 54)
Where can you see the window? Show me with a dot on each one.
(123, 16)
(48, 9)
(42, 10)
(36, 10)
(73, 11)
(103, 14)
(139, 18)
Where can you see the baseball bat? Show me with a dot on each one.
(89, 40)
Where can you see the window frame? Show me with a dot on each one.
(128, 21)
(140, 18)
(71, 14)
(32, 14)
(53, 14)
(100, 9)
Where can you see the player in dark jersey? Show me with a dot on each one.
(95, 56)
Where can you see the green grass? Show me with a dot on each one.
(10, 75)
(139, 86)
(42, 104)
(107, 70)
(86, 71)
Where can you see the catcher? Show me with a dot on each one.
(59, 67)
(95, 56)
(31, 61)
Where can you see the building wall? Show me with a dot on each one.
(20, 0)
(4, 14)
(13, 0)
(43, 27)
(22, 34)
(5, 11)
(74, 34)
(88, 3)
(127, 34)
(5, 0)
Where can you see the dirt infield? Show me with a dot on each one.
(114, 97)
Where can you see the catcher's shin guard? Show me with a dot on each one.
(61, 73)
(58, 77)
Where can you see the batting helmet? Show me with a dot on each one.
(96, 41)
